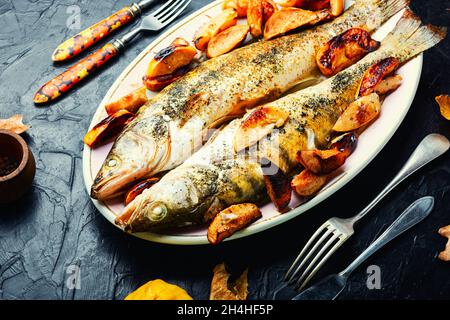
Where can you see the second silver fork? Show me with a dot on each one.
(335, 232)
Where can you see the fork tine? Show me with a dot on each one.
(289, 277)
(311, 252)
(175, 12)
(300, 284)
(325, 259)
(162, 7)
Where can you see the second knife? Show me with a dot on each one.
(88, 37)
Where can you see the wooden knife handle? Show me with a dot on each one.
(86, 38)
(69, 78)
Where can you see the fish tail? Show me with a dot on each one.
(410, 37)
(367, 14)
(384, 9)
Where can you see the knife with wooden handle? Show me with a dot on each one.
(86, 38)
(69, 78)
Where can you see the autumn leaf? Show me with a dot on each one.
(444, 104)
(14, 124)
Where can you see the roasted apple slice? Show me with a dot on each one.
(345, 143)
(224, 20)
(256, 125)
(269, 8)
(131, 102)
(376, 73)
(160, 82)
(288, 19)
(108, 128)
(321, 161)
(388, 85)
(359, 113)
(138, 189)
(231, 220)
(344, 50)
(255, 17)
(174, 57)
(307, 183)
(240, 6)
(227, 40)
(337, 7)
(278, 186)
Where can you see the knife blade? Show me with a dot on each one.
(88, 37)
(330, 287)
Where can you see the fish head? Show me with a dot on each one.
(140, 152)
(180, 198)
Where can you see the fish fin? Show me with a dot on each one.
(382, 10)
(410, 37)
(258, 124)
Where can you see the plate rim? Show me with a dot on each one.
(252, 229)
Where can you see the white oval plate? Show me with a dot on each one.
(371, 142)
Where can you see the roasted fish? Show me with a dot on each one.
(218, 176)
(171, 126)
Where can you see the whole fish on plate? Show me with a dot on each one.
(217, 176)
(170, 127)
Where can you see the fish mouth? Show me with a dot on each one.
(105, 188)
(147, 156)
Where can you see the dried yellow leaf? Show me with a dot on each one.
(445, 255)
(222, 290)
(14, 124)
(444, 104)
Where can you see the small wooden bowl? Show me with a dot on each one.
(15, 184)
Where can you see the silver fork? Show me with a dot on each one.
(335, 232)
(154, 21)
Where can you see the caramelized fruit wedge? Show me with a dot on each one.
(278, 186)
(227, 40)
(307, 183)
(240, 6)
(232, 219)
(313, 5)
(131, 102)
(160, 82)
(344, 50)
(174, 57)
(269, 8)
(345, 143)
(257, 125)
(321, 161)
(255, 17)
(288, 19)
(224, 20)
(376, 73)
(138, 189)
(359, 113)
(337, 7)
(108, 129)
(388, 85)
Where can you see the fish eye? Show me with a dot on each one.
(156, 211)
(112, 162)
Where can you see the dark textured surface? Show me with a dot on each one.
(55, 225)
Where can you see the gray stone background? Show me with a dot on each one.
(55, 225)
